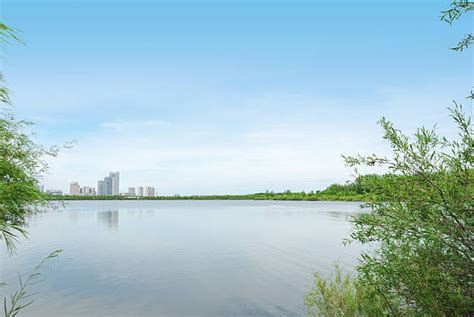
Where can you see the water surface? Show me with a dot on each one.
(181, 258)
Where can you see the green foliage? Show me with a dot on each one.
(21, 163)
(464, 43)
(422, 223)
(422, 218)
(301, 196)
(455, 11)
(351, 191)
(21, 299)
(6, 35)
(341, 295)
(350, 188)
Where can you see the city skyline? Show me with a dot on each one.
(110, 185)
(232, 97)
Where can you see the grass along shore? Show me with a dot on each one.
(259, 196)
(350, 191)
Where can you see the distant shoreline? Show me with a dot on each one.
(258, 196)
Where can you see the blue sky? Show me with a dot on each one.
(228, 97)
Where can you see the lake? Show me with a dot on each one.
(181, 258)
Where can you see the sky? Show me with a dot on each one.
(196, 97)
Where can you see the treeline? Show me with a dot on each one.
(350, 191)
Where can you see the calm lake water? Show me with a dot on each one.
(181, 258)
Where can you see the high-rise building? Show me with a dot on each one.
(107, 185)
(131, 191)
(149, 191)
(110, 185)
(115, 177)
(104, 187)
(88, 191)
(74, 188)
(140, 191)
(100, 187)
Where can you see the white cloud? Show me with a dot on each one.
(301, 155)
(275, 141)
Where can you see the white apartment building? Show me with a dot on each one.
(115, 176)
(74, 188)
(88, 191)
(149, 191)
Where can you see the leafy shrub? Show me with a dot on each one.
(342, 295)
(422, 219)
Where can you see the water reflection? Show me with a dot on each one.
(141, 212)
(342, 215)
(110, 218)
(182, 258)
